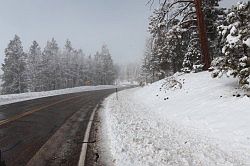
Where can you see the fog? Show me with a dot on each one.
(122, 25)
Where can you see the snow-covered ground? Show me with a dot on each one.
(201, 124)
(12, 98)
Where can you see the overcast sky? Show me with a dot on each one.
(121, 24)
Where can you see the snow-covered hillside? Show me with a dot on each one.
(200, 121)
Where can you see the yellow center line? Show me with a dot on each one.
(16, 117)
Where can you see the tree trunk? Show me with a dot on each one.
(202, 34)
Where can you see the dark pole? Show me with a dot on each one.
(202, 34)
(116, 91)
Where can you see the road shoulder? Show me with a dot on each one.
(97, 152)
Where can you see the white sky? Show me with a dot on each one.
(121, 24)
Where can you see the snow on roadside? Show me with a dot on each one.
(12, 98)
(200, 124)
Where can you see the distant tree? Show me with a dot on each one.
(51, 69)
(107, 66)
(146, 74)
(98, 66)
(67, 57)
(54, 69)
(75, 66)
(33, 68)
(14, 76)
(86, 71)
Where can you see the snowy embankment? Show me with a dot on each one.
(12, 98)
(204, 123)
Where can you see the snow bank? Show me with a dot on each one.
(203, 123)
(12, 98)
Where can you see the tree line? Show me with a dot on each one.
(53, 68)
(174, 45)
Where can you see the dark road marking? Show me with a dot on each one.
(12, 147)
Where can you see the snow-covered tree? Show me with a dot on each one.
(108, 66)
(14, 76)
(192, 57)
(33, 68)
(86, 71)
(235, 38)
(192, 53)
(176, 43)
(66, 65)
(214, 15)
(176, 46)
(54, 69)
(75, 66)
(103, 67)
(51, 71)
(146, 74)
(160, 57)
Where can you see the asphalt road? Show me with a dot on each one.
(47, 131)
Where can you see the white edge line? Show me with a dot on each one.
(86, 139)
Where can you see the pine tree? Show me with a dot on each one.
(176, 45)
(86, 71)
(192, 56)
(75, 66)
(14, 77)
(159, 60)
(234, 34)
(174, 30)
(107, 67)
(33, 69)
(53, 69)
(67, 65)
(97, 78)
(213, 16)
(51, 73)
(146, 75)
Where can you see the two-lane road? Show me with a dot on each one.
(48, 130)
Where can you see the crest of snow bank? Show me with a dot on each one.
(203, 102)
(195, 81)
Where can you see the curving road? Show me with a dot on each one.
(47, 131)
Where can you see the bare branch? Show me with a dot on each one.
(165, 12)
(151, 2)
(191, 20)
(184, 1)
(187, 16)
(180, 11)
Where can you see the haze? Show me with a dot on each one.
(122, 25)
